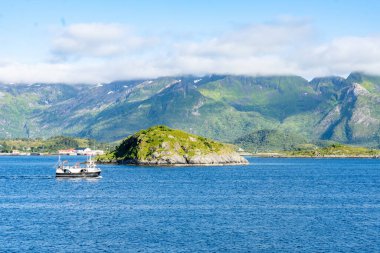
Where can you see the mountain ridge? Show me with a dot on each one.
(222, 107)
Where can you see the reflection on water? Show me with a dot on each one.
(271, 205)
(79, 179)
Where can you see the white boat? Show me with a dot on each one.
(63, 169)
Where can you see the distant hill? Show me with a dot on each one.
(334, 150)
(270, 140)
(51, 145)
(222, 107)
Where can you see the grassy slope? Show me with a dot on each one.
(180, 106)
(20, 105)
(270, 140)
(14, 113)
(276, 97)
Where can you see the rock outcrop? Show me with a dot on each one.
(161, 145)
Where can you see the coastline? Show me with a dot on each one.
(259, 155)
(173, 164)
(279, 155)
(156, 163)
(36, 154)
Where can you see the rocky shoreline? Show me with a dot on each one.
(278, 155)
(212, 159)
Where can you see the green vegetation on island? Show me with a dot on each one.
(163, 145)
(331, 151)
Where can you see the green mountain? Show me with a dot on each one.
(21, 104)
(355, 117)
(222, 107)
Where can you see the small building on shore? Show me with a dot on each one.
(16, 152)
(69, 151)
(80, 151)
(88, 151)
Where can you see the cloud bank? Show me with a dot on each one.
(99, 52)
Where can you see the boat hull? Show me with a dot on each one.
(65, 170)
(87, 174)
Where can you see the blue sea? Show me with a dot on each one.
(270, 205)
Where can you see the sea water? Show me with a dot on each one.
(270, 205)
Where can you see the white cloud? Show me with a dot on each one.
(254, 40)
(346, 54)
(258, 49)
(98, 52)
(95, 40)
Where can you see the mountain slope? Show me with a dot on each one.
(269, 140)
(21, 104)
(181, 106)
(356, 118)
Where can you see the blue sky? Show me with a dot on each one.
(100, 41)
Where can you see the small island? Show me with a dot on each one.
(161, 145)
(335, 150)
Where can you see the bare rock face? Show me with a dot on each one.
(357, 90)
(209, 159)
(232, 158)
(161, 145)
